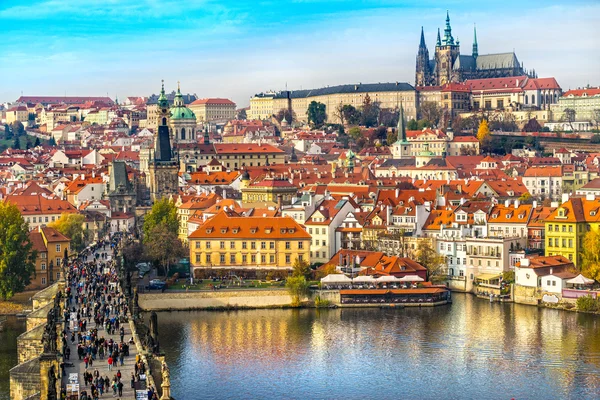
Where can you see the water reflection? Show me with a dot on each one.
(10, 329)
(471, 349)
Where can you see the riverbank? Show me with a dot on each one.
(18, 304)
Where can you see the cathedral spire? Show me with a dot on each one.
(475, 49)
(448, 39)
(439, 41)
(401, 129)
(422, 44)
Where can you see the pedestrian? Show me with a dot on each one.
(110, 363)
(132, 380)
(120, 388)
(86, 361)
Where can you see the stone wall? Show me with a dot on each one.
(525, 295)
(29, 344)
(43, 297)
(39, 316)
(25, 379)
(214, 299)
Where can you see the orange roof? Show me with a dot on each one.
(78, 184)
(437, 218)
(222, 226)
(213, 101)
(35, 205)
(245, 148)
(581, 92)
(552, 171)
(213, 178)
(52, 235)
(577, 209)
(510, 214)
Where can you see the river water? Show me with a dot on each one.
(10, 328)
(468, 350)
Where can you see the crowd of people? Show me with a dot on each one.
(96, 309)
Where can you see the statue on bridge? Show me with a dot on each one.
(154, 331)
(52, 394)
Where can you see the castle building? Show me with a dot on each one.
(448, 65)
(163, 166)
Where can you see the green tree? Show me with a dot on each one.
(241, 115)
(590, 259)
(286, 114)
(355, 133)
(17, 256)
(316, 113)
(163, 212)
(369, 112)
(412, 125)
(301, 268)
(7, 133)
(525, 198)
(350, 114)
(17, 128)
(134, 253)
(298, 288)
(163, 246)
(17, 143)
(431, 112)
(52, 141)
(428, 257)
(37, 142)
(71, 225)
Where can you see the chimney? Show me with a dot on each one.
(321, 208)
(224, 193)
(507, 203)
(535, 204)
(516, 204)
(280, 202)
(397, 192)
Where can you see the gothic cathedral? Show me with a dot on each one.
(448, 65)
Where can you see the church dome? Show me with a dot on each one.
(179, 110)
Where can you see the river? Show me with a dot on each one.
(10, 329)
(468, 350)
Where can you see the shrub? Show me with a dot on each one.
(321, 303)
(588, 303)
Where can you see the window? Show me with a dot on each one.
(548, 282)
(253, 258)
(272, 259)
(244, 259)
(232, 245)
(222, 258)
(322, 231)
(300, 245)
(197, 245)
(553, 283)
(244, 245)
(197, 258)
(208, 259)
(570, 243)
(232, 258)
(550, 228)
(43, 266)
(58, 247)
(208, 245)
(287, 245)
(310, 231)
(300, 257)
(263, 259)
(221, 245)
(272, 245)
(287, 259)
(253, 245)
(570, 228)
(43, 281)
(564, 243)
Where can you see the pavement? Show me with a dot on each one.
(101, 365)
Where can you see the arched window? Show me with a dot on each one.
(182, 133)
(547, 98)
(526, 99)
(192, 136)
(164, 121)
(532, 99)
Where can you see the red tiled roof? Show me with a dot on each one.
(213, 101)
(580, 92)
(513, 82)
(541, 83)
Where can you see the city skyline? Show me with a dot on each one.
(236, 50)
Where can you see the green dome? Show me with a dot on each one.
(182, 112)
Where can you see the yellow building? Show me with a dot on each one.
(50, 245)
(213, 110)
(18, 113)
(388, 95)
(568, 224)
(231, 242)
(268, 190)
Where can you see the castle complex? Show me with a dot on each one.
(448, 65)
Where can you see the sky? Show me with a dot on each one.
(235, 49)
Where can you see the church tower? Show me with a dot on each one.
(163, 166)
(402, 148)
(182, 121)
(423, 72)
(475, 48)
(446, 52)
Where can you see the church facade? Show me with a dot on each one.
(448, 65)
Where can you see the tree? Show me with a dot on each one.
(17, 128)
(287, 114)
(241, 114)
(134, 253)
(17, 143)
(163, 246)
(325, 270)
(37, 142)
(302, 268)
(569, 115)
(298, 288)
(52, 141)
(7, 132)
(350, 114)
(316, 113)
(163, 212)
(355, 133)
(412, 125)
(392, 137)
(483, 132)
(525, 198)
(17, 256)
(590, 257)
(596, 118)
(532, 126)
(369, 112)
(429, 258)
(71, 225)
(432, 112)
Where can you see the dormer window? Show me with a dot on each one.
(235, 230)
(252, 230)
(282, 231)
(509, 216)
(268, 230)
(223, 230)
(209, 230)
(593, 212)
(494, 215)
(291, 230)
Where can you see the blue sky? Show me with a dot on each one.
(237, 48)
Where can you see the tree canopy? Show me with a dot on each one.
(298, 288)
(316, 113)
(428, 257)
(590, 258)
(163, 246)
(431, 111)
(71, 225)
(484, 131)
(163, 212)
(17, 256)
(302, 268)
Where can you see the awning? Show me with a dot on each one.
(581, 280)
(387, 278)
(487, 277)
(336, 278)
(411, 278)
(364, 279)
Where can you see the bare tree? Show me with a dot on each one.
(432, 112)
(596, 118)
(569, 115)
